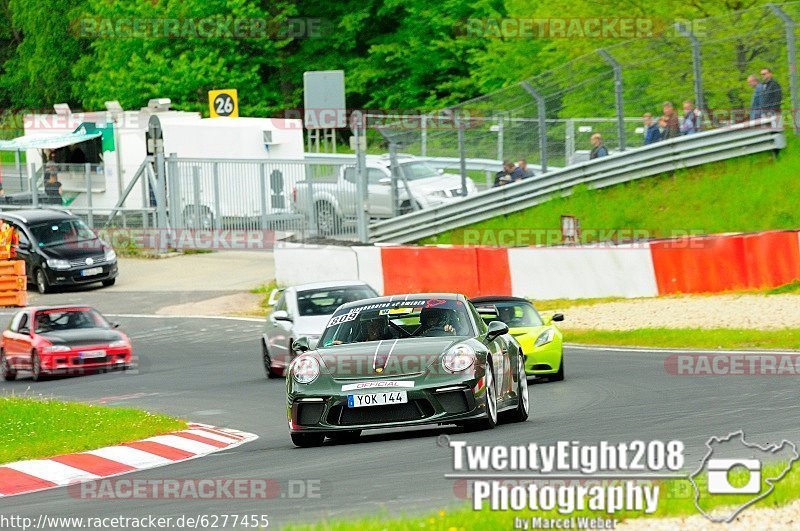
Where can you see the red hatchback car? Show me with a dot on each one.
(62, 339)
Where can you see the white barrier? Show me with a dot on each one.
(370, 267)
(301, 264)
(572, 273)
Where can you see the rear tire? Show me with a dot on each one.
(8, 373)
(307, 440)
(559, 376)
(521, 412)
(109, 282)
(328, 221)
(42, 285)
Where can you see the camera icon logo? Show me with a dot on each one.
(733, 466)
(719, 481)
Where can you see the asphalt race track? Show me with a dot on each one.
(208, 370)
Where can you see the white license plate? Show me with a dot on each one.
(91, 354)
(377, 399)
(91, 272)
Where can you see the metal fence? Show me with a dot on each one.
(310, 199)
(541, 119)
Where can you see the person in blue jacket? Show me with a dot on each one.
(651, 131)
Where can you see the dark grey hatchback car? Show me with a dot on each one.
(59, 249)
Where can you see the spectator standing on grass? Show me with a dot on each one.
(523, 165)
(598, 149)
(756, 103)
(691, 118)
(672, 126)
(772, 95)
(652, 133)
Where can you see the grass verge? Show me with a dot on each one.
(265, 290)
(35, 428)
(714, 338)
(676, 498)
(746, 194)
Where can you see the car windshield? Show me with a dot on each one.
(418, 170)
(515, 314)
(68, 319)
(61, 231)
(381, 321)
(325, 301)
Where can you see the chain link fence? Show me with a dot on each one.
(548, 119)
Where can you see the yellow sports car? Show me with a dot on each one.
(540, 339)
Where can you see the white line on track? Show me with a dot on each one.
(676, 350)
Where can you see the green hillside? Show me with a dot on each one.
(754, 193)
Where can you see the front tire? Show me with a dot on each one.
(307, 440)
(7, 372)
(559, 376)
(490, 404)
(267, 360)
(42, 285)
(36, 367)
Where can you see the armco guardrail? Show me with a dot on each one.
(439, 162)
(670, 155)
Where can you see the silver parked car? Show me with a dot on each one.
(303, 310)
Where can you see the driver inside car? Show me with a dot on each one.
(376, 329)
(436, 322)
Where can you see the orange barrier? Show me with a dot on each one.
(13, 282)
(714, 264)
(466, 270)
(13, 298)
(494, 273)
(12, 267)
(771, 258)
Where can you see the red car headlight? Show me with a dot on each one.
(56, 348)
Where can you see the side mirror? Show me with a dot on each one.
(114, 324)
(281, 315)
(496, 329)
(301, 345)
(274, 296)
(558, 317)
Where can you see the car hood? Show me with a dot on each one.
(75, 251)
(82, 336)
(396, 357)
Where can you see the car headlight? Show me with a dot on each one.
(111, 255)
(545, 337)
(56, 348)
(305, 369)
(459, 358)
(118, 344)
(57, 263)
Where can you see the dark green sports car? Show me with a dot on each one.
(404, 360)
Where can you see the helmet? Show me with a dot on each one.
(433, 317)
